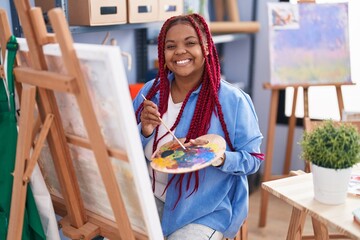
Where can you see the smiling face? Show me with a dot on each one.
(183, 54)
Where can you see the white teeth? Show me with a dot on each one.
(183, 61)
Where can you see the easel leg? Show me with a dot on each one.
(38, 146)
(290, 137)
(86, 232)
(340, 101)
(306, 115)
(22, 155)
(269, 154)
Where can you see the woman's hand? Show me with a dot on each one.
(197, 142)
(149, 118)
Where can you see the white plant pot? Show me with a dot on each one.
(330, 185)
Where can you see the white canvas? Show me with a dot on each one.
(108, 87)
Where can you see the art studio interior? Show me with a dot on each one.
(75, 145)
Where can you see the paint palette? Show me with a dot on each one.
(172, 158)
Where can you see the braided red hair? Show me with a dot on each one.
(208, 101)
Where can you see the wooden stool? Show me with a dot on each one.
(242, 234)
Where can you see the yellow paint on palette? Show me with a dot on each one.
(164, 162)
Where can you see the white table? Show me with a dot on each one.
(297, 191)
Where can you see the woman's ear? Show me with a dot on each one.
(206, 49)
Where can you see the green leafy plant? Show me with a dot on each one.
(332, 145)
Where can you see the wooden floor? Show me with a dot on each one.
(277, 220)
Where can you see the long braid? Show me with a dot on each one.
(213, 74)
(207, 102)
(215, 82)
(199, 124)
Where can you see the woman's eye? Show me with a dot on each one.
(190, 43)
(170, 46)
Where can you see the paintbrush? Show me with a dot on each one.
(168, 129)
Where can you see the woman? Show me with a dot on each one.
(189, 95)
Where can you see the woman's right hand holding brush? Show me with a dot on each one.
(149, 118)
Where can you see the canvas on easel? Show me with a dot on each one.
(92, 158)
(309, 47)
(107, 85)
(309, 43)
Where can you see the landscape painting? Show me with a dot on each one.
(309, 43)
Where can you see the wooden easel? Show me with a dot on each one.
(5, 35)
(275, 90)
(78, 223)
(267, 176)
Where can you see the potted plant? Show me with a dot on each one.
(332, 148)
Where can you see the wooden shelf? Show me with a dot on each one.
(234, 27)
(105, 28)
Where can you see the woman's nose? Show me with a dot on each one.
(180, 50)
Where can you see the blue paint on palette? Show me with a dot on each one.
(190, 157)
